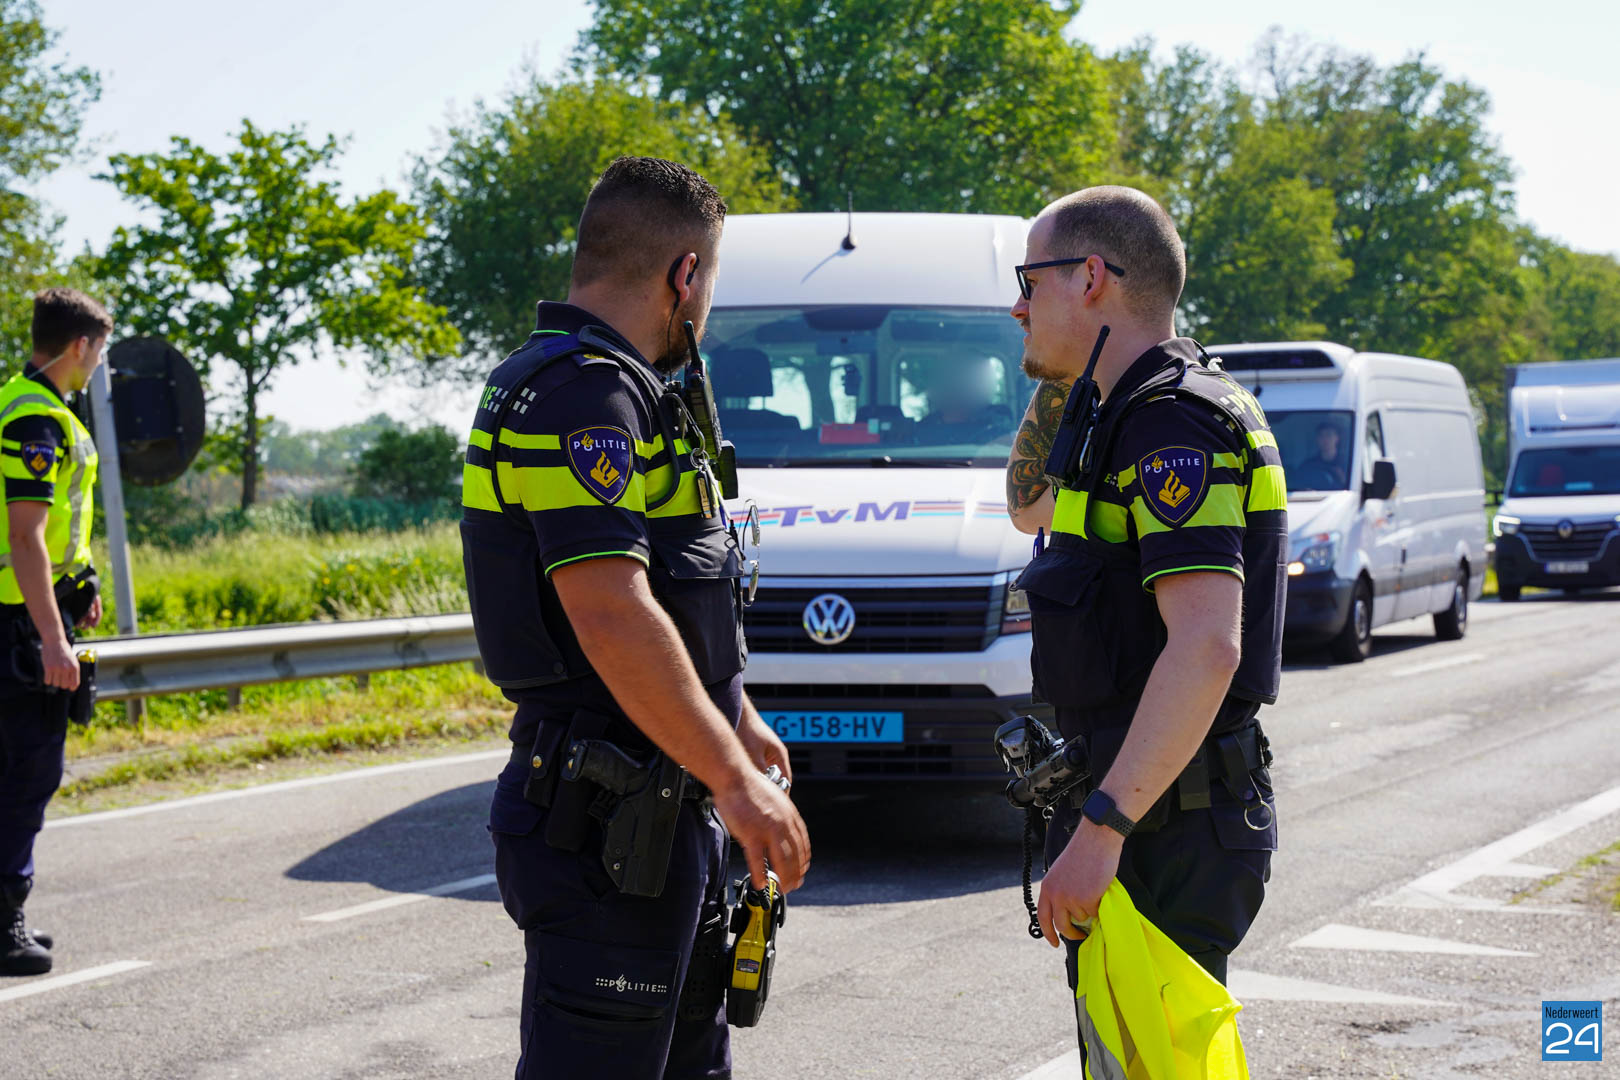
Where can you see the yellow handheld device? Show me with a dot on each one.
(753, 954)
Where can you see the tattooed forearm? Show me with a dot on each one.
(1026, 466)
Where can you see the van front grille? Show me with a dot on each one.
(887, 619)
(1583, 544)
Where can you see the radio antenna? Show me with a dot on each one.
(849, 234)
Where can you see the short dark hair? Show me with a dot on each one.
(61, 316)
(1128, 228)
(642, 213)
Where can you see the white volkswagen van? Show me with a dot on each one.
(868, 372)
(1386, 493)
(1560, 524)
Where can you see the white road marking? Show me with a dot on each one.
(1437, 665)
(365, 772)
(1257, 986)
(72, 979)
(1519, 869)
(1437, 889)
(464, 885)
(1339, 936)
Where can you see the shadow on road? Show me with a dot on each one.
(438, 840)
(874, 843)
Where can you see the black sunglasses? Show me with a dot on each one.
(1029, 290)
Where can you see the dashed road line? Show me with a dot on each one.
(1437, 889)
(1357, 938)
(1437, 665)
(58, 982)
(365, 772)
(447, 889)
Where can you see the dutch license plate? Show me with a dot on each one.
(1568, 567)
(838, 727)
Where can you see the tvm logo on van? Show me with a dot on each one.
(899, 510)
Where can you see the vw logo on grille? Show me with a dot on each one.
(829, 619)
(1566, 529)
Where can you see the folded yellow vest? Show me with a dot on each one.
(1147, 1010)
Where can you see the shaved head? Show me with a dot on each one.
(642, 213)
(1129, 229)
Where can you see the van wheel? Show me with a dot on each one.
(1353, 644)
(1452, 623)
(1508, 594)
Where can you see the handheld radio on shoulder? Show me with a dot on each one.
(1070, 461)
(698, 393)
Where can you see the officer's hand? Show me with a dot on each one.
(764, 823)
(1074, 886)
(764, 747)
(61, 666)
(92, 618)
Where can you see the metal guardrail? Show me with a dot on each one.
(147, 665)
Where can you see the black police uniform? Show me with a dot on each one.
(577, 452)
(1188, 480)
(38, 464)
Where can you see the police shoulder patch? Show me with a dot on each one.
(601, 459)
(1174, 480)
(38, 458)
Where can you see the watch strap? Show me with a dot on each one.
(1100, 809)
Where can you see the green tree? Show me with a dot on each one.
(256, 262)
(502, 194)
(41, 114)
(412, 465)
(938, 105)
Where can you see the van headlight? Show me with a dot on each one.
(1015, 611)
(1504, 525)
(1313, 553)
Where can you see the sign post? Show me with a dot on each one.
(112, 500)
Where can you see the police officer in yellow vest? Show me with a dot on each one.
(605, 582)
(1157, 602)
(47, 588)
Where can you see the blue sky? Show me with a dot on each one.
(388, 75)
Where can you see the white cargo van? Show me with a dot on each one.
(872, 392)
(1559, 525)
(1386, 494)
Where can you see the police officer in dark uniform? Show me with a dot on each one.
(605, 581)
(1157, 603)
(47, 588)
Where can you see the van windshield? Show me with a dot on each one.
(1315, 447)
(867, 385)
(1567, 470)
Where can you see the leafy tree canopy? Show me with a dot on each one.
(503, 193)
(256, 261)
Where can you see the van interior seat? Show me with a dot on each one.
(740, 374)
(879, 412)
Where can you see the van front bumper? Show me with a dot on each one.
(1318, 607)
(950, 703)
(1517, 565)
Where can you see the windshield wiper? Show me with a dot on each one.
(887, 462)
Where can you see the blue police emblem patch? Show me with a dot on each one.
(38, 457)
(600, 458)
(1173, 482)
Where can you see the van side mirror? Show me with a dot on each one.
(1382, 484)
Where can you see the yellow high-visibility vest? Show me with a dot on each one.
(67, 526)
(1147, 1010)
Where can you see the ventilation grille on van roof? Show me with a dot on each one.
(1275, 360)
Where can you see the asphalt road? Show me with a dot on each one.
(1416, 792)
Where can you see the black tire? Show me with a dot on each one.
(1353, 643)
(1452, 623)
(1508, 594)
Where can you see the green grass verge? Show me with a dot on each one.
(1586, 862)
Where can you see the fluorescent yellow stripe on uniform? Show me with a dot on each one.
(1108, 522)
(519, 441)
(1069, 515)
(12, 468)
(1127, 477)
(1223, 506)
(685, 500)
(1269, 489)
(554, 487)
(1226, 461)
(1257, 439)
(478, 488)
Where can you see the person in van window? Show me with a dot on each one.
(1325, 471)
(1157, 606)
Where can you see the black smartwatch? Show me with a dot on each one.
(1100, 809)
